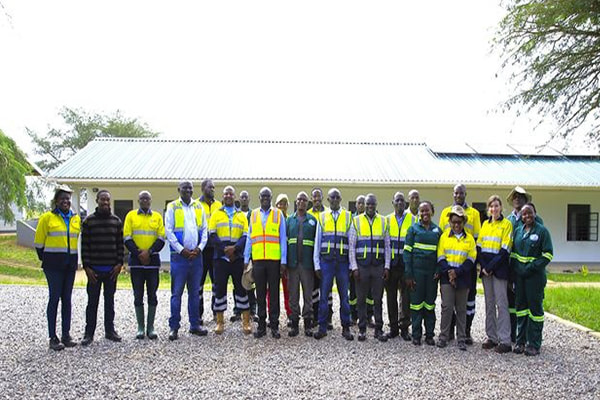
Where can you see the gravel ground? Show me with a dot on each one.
(237, 366)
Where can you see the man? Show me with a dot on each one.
(228, 230)
(144, 234)
(360, 209)
(472, 227)
(102, 257)
(518, 197)
(209, 205)
(282, 204)
(398, 223)
(331, 261)
(301, 229)
(237, 314)
(316, 210)
(186, 226)
(268, 248)
(370, 256)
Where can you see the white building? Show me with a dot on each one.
(565, 187)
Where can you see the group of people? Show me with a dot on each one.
(405, 253)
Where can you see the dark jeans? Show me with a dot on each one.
(60, 287)
(91, 312)
(147, 277)
(371, 281)
(207, 264)
(266, 276)
(393, 285)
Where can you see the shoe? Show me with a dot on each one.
(294, 330)
(519, 349)
(246, 326)
(150, 332)
(488, 344)
(429, 341)
(113, 336)
(416, 341)
(370, 323)
(441, 343)
(346, 334)
(87, 340)
(220, 328)
(405, 335)
(469, 341)
(68, 341)
(55, 344)
(288, 323)
(260, 332)
(329, 326)
(275, 333)
(255, 318)
(532, 351)
(141, 328)
(320, 334)
(235, 318)
(199, 331)
(393, 333)
(173, 334)
(503, 348)
(379, 335)
(362, 336)
(462, 346)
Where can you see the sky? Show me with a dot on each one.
(313, 70)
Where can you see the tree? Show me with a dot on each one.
(13, 168)
(82, 127)
(552, 53)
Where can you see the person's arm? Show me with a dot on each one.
(539, 264)
(317, 248)
(407, 256)
(119, 241)
(248, 246)
(352, 248)
(387, 249)
(40, 236)
(128, 236)
(282, 239)
(441, 255)
(204, 238)
(169, 226)
(159, 243)
(240, 245)
(85, 244)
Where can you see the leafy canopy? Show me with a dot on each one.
(552, 53)
(81, 128)
(13, 168)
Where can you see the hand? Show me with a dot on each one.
(356, 275)
(115, 272)
(91, 275)
(144, 257)
(230, 253)
(318, 274)
(186, 253)
(283, 270)
(436, 276)
(410, 284)
(194, 253)
(386, 274)
(452, 274)
(485, 272)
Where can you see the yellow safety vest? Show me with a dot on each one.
(179, 217)
(210, 209)
(398, 233)
(51, 233)
(472, 226)
(265, 242)
(334, 234)
(370, 240)
(228, 231)
(143, 229)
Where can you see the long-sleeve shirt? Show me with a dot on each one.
(319, 237)
(282, 236)
(190, 229)
(352, 237)
(102, 240)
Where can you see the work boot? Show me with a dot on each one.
(294, 330)
(347, 334)
(139, 316)
(275, 333)
(261, 330)
(220, 328)
(113, 336)
(379, 335)
(405, 335)
(320, 334)
(68, 341)
(150, 332)
(87, 339)
(429, 341)
(308, 327)
(55, 344)
(393, 333)
(246, 327)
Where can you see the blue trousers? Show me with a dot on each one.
(341, 272)
(185, 272)
(60, 288)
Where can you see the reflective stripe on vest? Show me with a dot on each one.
(334, 238)
(265, 242)
(56, 239)
(226, 230)
(370, 240)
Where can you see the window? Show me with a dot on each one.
(582, 224)
(122, 207)
(482, 208)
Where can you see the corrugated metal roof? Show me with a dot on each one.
(315, 161)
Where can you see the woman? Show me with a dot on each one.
(493, 247)
(532, 251)
(421, 272)
(56, 245)
(456, 257)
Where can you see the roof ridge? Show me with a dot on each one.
(260, 141)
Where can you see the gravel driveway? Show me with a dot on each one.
(237, 366)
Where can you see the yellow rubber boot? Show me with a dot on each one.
(220, 323)
(246, 327)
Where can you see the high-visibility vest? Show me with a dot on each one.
(370, 242)
(265, 241)
(143, 229)
(317, 214)
(179, 218)
(226, 230)
(398, 234)
(456, 250)
(472, 226)
(51, 233)
(334, 234)
(495, 235)
(209, 210)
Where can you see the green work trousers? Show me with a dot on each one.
(422, 304)
(530, 310)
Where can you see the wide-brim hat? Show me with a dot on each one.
(247, 278)
(63, 188)
(518, 190)
(458, 211)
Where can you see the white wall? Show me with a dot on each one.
(550, 203)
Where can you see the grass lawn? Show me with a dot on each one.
(577, 304)
(575, 277)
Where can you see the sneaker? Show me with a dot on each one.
(462, 346)
(441, 344)
(532, 351)
(55, 344)
(503, 348)
(488, 344)
(519, 349)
